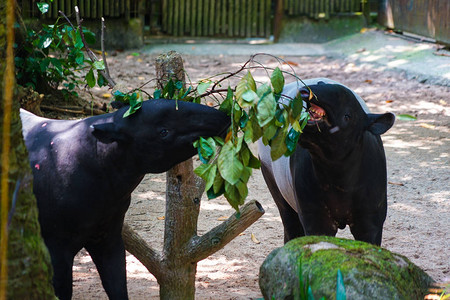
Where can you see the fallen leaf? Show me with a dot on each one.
(389, 101)
(210, 104)
(141, 78)
(106, 95)
(222, 218)
(368, 81)
(139, 60)
(406, 117)
(161, 218)
(442, 102)
(428, 126)
(254, 239)
(241, 234)
(291, 63)
(396, 183)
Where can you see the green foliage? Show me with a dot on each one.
(134, 100)
(256, 112)
(53, 56)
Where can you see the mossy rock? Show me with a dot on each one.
(369, 272)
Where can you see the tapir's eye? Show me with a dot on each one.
(347, 117)
(164, 132)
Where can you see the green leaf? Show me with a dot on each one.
(297, 106)
(157, 94)
(243, 120)
(278, 145)
(208, 173)
(101, 81)
(265, 109)
(99, 65)
(90, 78)
(43, 7)
(232, 194)
(47, 41)
(203, 86)
(277, 80)
(291, 141)
(78, 42)
(249, 97)
(135, 54)
(270, 130)
(89, 36)
(211, 194)
(245, 84)
(57, 64)
(340, 287)
(310, 293)
(226, 105)
(169, 90)
(206, 149)
(135, 101)
(218, 184)
(79, 59)
(229, 166)
(257, 131)
(406, 117)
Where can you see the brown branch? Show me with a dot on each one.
(138, 247)
(201, 247)
(102, 42)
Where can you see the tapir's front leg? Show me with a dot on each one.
(291, 222)
(109, 256)
(62, 254)
(368, 227)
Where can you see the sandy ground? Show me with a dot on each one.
(418, 220)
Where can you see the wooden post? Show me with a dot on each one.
(175, 267)
(278, 20)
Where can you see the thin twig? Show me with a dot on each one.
(89, 52)
(102, 41)
(213, 92)
(67, 19)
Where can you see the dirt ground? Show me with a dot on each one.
(418, 220)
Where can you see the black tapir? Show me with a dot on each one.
(85, 170)
(337, 174)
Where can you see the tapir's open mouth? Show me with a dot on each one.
(317, 114)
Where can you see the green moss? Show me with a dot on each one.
(369, 272)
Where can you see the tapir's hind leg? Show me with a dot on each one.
(291, 222)
(109, 258)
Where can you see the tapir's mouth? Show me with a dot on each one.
(316, 114)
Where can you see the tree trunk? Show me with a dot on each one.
(24, 260)
(175, 268)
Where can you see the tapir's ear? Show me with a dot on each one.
(380, 123)
(108, 133)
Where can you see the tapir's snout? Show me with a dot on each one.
(213, 122)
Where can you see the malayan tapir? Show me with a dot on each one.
(337, 174)
(85, 170)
